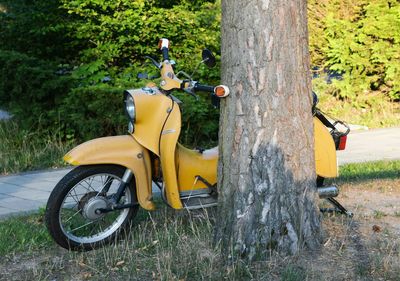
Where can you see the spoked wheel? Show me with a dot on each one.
(75, 215)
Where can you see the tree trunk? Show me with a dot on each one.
(266, 169)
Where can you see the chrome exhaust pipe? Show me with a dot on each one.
(328, 191)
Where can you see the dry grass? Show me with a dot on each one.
(22, 150)
(372, 110)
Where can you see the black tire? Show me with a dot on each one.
(85, 185)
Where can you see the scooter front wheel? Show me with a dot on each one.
(74, 213)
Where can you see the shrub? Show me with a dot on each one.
(31, 88)
(37, 28)
(363, 46)
(120, 35)
(108, 40)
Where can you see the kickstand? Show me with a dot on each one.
(338, 208)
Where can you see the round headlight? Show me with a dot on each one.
(130, 107)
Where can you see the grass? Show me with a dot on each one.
(367, 171)
(23, 234)
(177, 245)
(29, 150)
(371, 110)
(379, 214)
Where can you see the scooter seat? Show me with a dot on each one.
(211, 153)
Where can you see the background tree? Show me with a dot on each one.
(266, 171)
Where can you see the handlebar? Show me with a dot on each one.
(204, 88)
(165, 54)
(171, 82)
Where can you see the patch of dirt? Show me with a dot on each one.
(376, 202)
(367, 246)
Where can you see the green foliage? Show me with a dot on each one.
(98, 39)
(36, 28)
(31, 88)
(121, 33)
(370, 171)
(92, 111)
(108, 39)
(364, 47)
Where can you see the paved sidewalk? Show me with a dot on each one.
(26, 192)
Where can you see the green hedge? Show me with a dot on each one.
(37, 28)
(31, 89)
(110, 40)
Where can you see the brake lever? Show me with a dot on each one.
(190, 92)
(155, 63)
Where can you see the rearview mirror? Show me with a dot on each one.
(208, 58)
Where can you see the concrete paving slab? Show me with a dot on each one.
(46, 175)
(2, 196)
(49, 174)
(20, 205)
(46, 178)
(42, 186)
(16, 180)
(8, 188)
(32, 195)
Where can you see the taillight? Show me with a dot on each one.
(342, 142)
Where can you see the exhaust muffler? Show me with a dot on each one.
(328, 191)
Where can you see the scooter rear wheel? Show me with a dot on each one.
(72, 213)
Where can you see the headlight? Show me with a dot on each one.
(130, 107)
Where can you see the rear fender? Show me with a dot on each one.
(120, 150)
(325, 151)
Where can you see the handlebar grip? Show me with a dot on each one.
(163, 45)
(165, 53)
(204, 88)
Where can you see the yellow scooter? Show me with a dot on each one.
(95, 202)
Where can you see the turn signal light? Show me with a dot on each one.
(221, 91)
(342, 143)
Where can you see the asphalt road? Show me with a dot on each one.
(371, 145)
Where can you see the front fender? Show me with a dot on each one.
(119, 150)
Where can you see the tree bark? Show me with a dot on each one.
(266, 169)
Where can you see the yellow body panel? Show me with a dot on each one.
(151, 113)
(170, 81)
(325, 151)
(192, 163)
(119, 150)
(168, 142)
